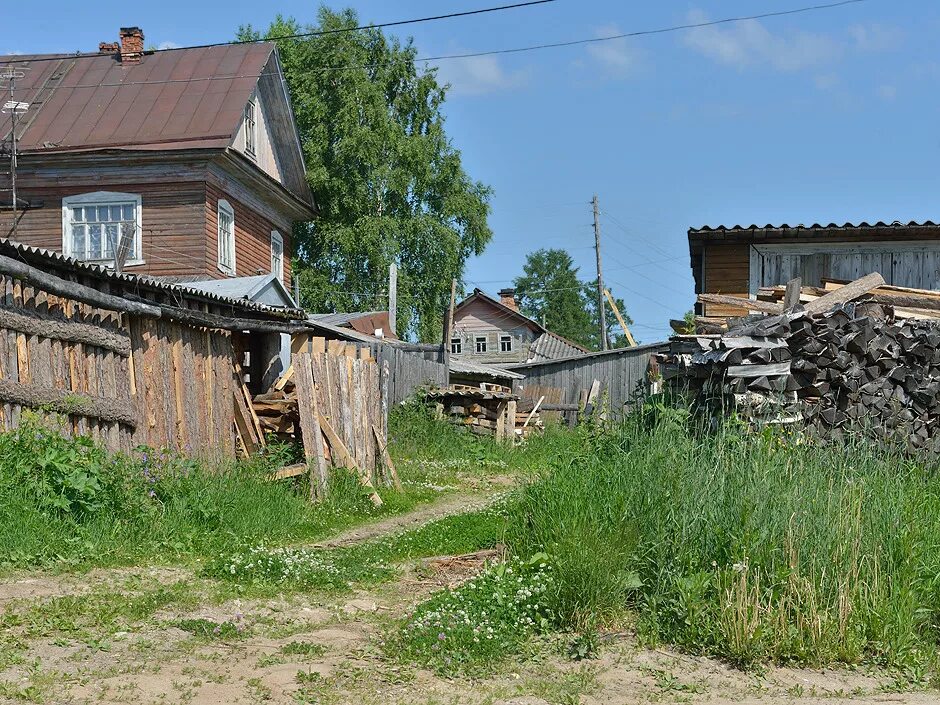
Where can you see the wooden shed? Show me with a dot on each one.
(738, 260)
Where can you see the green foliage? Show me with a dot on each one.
(389, 183)
(550, 290)
(473, 626)
(303, 648)
(66, 501)
(749, 547)
(339, 569)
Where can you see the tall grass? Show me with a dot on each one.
(747, 547)
(67, 502)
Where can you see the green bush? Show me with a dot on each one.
(747, 546)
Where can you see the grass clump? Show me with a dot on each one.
(747, 546)
(470, 627)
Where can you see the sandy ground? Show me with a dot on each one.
(316, 649)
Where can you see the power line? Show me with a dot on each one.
(303, 35)
(442, 57)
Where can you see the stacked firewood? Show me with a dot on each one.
(487, 413)
(277, 411)
(852, 367)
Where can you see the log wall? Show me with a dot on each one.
(122, 380)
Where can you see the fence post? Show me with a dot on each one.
(383, 393)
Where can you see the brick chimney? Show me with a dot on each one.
(507, 297)
(109, 48)
(132, 44)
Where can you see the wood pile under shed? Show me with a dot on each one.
(500, 414)
(840, 362)
(335, 406)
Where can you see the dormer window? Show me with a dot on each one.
(251, 128)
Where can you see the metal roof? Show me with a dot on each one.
(181, 99)
(550, 346)
(340, 319)
(46, 259)
(645, 347)
(467, 367)
(707, 230)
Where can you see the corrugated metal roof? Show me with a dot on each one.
(339, 319)
(463, 366)
(550, 346)
(44, 259)
(646, 347)
(707, 230)
(181, 99)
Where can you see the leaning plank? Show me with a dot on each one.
(341, 453)
(846, 293)
(535, 410)
(46, 326)
(64, 401)
(776, 368)
(246, 395)
(310, 427)
(73, 290)
(284, 378)
(386, 457)
(243, 424)
(737, 301)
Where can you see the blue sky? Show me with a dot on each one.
(823, 116)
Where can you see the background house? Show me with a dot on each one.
(191, 156)
(496, 332)
(738, 260)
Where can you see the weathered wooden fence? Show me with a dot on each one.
(123, 360)
(622, 374)
(411, 367)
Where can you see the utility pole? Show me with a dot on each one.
(392, 296)
(13, 106)
(600, 280)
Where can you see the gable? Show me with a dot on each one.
(479, 313)
(278, 151)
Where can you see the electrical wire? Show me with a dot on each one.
(304, 35)
(442, 57)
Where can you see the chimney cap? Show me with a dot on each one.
(130, 31)
(509, 291)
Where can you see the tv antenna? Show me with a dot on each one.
(14, 108)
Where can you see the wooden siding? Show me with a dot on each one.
(480, 318)
(172, 387)
(265, 156)
(252, 238)
(726, 272)
(172, 223)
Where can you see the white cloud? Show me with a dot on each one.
(168, 45)
(617, 56)
(875, 37)
(479, 75)
(749, 43)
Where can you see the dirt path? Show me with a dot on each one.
(456, 504)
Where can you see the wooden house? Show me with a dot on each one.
(738, 260)
(497, 332)
(187, 159)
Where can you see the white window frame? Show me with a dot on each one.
(477, 339)
(505, 338)
(251, 128)
(277, 238)
(456, 342)
(226, 208)
(103, 198)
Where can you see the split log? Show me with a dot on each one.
(73, 290)
(37, 323)
(847, 293)
(62, 401)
